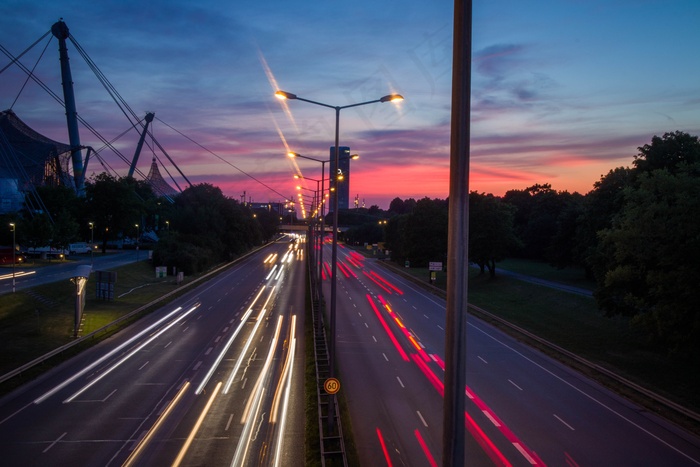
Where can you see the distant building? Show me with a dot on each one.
(158, 184)
(343, 189)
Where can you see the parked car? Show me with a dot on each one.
(78, 248)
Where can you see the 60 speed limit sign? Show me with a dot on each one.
(331, 385)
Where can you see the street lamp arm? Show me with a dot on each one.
(294, 154)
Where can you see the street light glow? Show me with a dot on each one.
(285, 95)
(390, 98)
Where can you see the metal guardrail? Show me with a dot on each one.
(331, 437)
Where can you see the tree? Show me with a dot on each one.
(538, 208)
(399, 206)
(114, 206)
(426, 232)
(491, 233)
(654, 263)
(671, 152)
(599, 208)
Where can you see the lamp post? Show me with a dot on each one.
(323, 198)
(333, 184)
(92, 245)
(320, 203)
(13, 227)
(137, 241)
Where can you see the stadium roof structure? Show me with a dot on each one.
(30, 157)
(158, 183)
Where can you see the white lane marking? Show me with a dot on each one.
(375, 339)
(228, 424)
(585, 394)
(515, 385)
(141, 367)
(441, 328)
(51, 445)
(402, 385)
(216, 341)
(367, 325)
(166, 345)
(385, 357)
(565, 424)
(199, 363)
(490, 417)
(208, 350)
(425, 424)
(524, 453)
(482, 360)
(426, 316)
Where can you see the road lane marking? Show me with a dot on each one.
(51, 445)
(199, 363)
(524, 453)
(515, 385)
(375, 339)
(440, 327)
(228, 424)
(420, 415)
(142, 366)
(565, 424)
(490, 417)
(208, 350)
(385, 357)
(400, 382)
(479, 357)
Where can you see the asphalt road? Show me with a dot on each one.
(523, 408)
(27, 276)
(214, 378)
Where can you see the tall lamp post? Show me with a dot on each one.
(323, 199)
(92, 244)
(137, 241)
(333, 185)
(13, 227)
(320, 202)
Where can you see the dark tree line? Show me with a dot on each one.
(202, 227)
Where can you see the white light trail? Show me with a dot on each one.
(228, 343)
(129, 355)
(190, 438)
(241, 356)
(250, 415)
(65, 383)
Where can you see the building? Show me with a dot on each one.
(343, 189)
(28, 159)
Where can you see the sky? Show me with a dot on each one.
(563, 91)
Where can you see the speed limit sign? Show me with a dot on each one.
(331, 385)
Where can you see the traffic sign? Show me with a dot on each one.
(331, 385)
(435, 266)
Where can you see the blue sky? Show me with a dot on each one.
(562, 91)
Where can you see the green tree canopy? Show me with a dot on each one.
(491, 232)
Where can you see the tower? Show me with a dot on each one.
(343, 186)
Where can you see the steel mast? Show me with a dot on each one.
(60, 31)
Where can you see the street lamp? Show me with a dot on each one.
(92, 241)
(14, 249)
(333, 181)
(137, 241)
(323, 200)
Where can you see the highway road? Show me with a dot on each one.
(214, 378)
(523, 408)
(27, 276)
